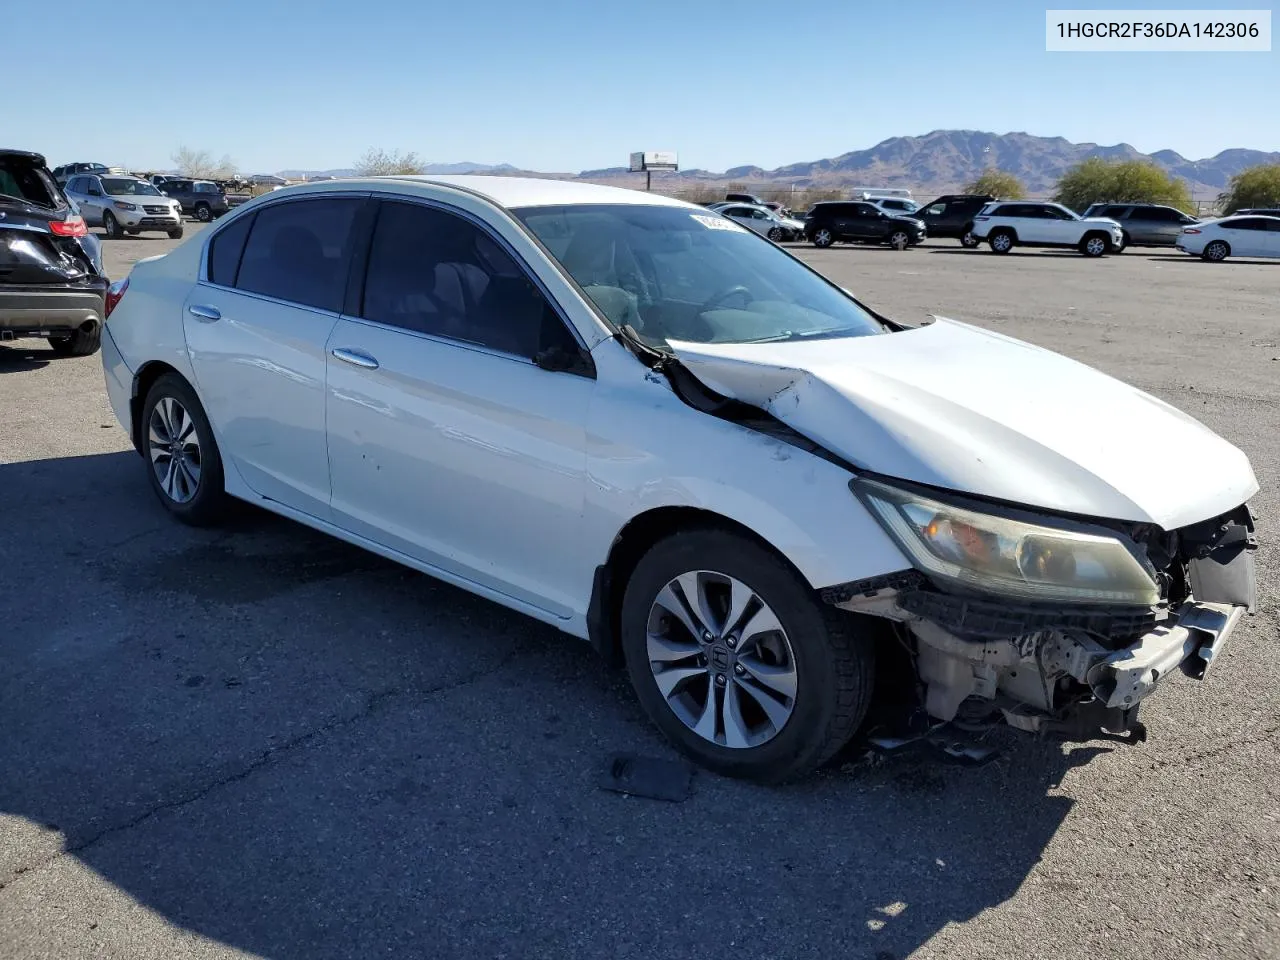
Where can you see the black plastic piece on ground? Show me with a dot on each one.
(649, 777)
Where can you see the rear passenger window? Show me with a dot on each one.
(299, 251)
(433, 272)
(225, 250)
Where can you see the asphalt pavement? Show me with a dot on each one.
(257, 741)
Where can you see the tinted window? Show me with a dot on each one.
(299, 251)
(1246, 223)
(23, 180)
(865, 210)
(436, 273)
(936, 210)
(225, 250)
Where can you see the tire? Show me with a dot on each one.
(775, 234)
(1001, 241)
(967, 239)
(1216, 251)
(818, 654)
(82, 343)
(111, 225)
(899, 240)
(823, 237)
(176, 233)
(199, 503)
(1094, 244)
(203, 213)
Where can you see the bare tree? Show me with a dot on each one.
(377, 162)
(199, 164)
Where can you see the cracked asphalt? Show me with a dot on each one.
(256, 741)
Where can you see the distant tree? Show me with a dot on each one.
(377, 162)
(997, 183)
(1121, 181)
(200, 165)
(1256, 187)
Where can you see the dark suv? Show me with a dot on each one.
(1144, 224)
(952, 216)
(202, 199)
(51, 279)
(860, 222)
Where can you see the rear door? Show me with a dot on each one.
(257, 324)
(91, 199)
(1248, 236)
(1272, 236)
(866, 221)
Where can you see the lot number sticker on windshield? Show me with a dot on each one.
(717, 223)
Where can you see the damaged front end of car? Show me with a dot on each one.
(1059, 626)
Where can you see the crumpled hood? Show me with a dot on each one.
(965, 409)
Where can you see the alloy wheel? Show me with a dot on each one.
(899, 240)
(721, 659)
(174, 448)
(1096, 246)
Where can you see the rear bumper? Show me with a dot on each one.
(33, 312)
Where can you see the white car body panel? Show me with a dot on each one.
(962, 408)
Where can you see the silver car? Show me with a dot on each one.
(123, 204)
(762, 220)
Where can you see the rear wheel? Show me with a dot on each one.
(822, 237)
(82, 343)
(1216, 251)
(183, 463)
(967, 239)
(111, 225)
(737, 661)
(1094, 244)
(1001, 241)
(203, 213)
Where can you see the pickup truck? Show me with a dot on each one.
(202, 199)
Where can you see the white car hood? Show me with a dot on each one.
(965, 409)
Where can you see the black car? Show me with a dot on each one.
(951, 215)
(68, 170)
(51, 279)
(859, 222)
(744, 198)
(202, 199)
(1144, 224)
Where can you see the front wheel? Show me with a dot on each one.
(737, 661)
(1216, 251)
(111, 225)
(1094, 245)
(176, 233)
(183, 463)
(823, 237)
(899, 240)
(774, 234)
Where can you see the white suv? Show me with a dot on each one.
(1006, 224)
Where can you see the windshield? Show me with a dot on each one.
(674, 273)
(125, 186)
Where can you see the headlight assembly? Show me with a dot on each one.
(1015, 558)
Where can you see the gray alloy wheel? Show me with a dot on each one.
(823, 238)
(774, 234)
(1001, 242)
(722, 660)
(1216, 251)
(203, 213)
(968, 240)
(1094, 246)
(899, 240)
(173, 445)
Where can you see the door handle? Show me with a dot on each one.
(204, 314)
(355, 357)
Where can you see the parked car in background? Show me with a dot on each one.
(123, 205)
(67, 170)
(951, 215)
(202, 199)
(1258, 212)
(744, 198)
(160, 179)
(1030, 223)
(1144, 224)
(896, 205)
(763, 221)
(531, 388)
(845, 221)
(1237, 236)
(51, 280)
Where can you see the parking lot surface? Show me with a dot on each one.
(256, 741)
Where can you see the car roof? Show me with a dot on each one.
(512, 192)
(35, 158)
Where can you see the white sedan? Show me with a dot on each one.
(1248, 236)
(633, 419)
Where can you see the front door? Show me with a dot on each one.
(447, 442)
(256, 330)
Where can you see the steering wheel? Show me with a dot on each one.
(720, 296)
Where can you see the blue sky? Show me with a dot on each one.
(555, 85)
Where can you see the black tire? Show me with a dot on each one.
(176, 233)
(899, 239)
(967, 239)
(1095, 245)
(111, 225)
(823, 237)
(1215, 251)
(775, 234)
(209, 502)
(834, 663)
(203, 213)
(1001, 241)
(82, 343)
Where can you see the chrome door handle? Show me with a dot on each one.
(204, 314)
(355, 357)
